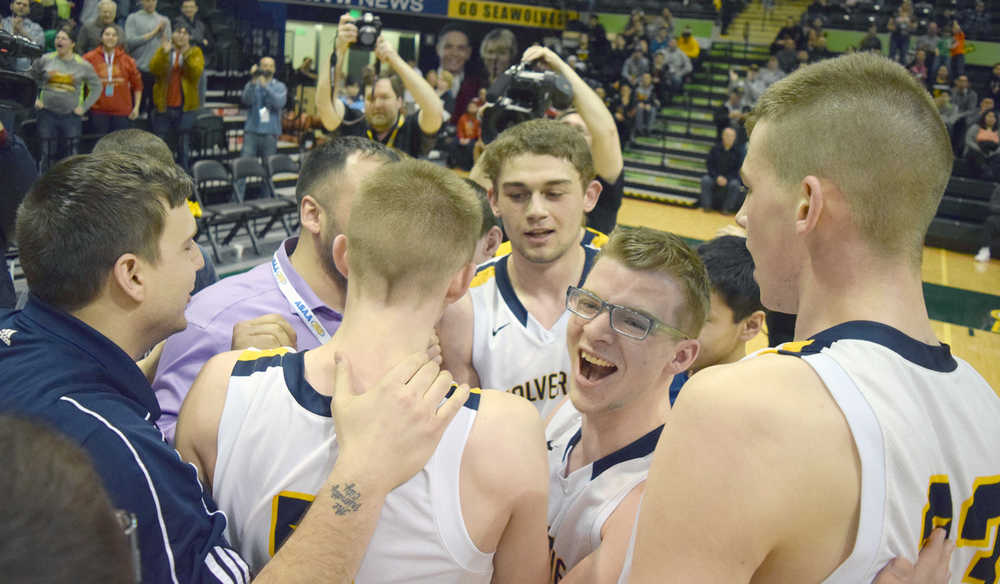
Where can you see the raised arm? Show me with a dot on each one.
(330, 109)
(605, 146)
(431, 111)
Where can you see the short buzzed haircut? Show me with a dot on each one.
(133, 141)
(327, 160)
(650, 250)
(85, 213)
(413, 225)
(730, 271)
(860, 121)
(489, 218)
(541, 137)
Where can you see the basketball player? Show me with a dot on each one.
(657, 293)
(845, 448)
(261, 431)
(509, 332)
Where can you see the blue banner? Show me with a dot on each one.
(423, 7)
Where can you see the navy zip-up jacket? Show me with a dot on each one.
(61, 371)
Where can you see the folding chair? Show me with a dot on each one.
(208, 138)
(257, 194)
(284, 174)
(214, 191)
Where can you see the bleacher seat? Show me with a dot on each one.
(257, 193)
(213, 188)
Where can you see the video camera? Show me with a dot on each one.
(369, 27)
(520, 94)
(17, 90)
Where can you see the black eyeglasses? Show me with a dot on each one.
(624, 321)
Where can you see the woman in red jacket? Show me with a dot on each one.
(121, 85)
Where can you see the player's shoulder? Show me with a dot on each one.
(507, 422)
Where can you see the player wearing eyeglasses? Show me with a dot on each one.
(633, 326)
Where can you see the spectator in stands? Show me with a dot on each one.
(918, 66)
(119, 100)
(801, 58)
(720, 187)
(941, 82)
(689, 45)
(250, 309)
(352, 98)
(820, 51)
(635, 28)
(92, 32)
(647, 104)
(624, 113)
(964, 98)
(56, 506)
(468, 130)
(787, 57)
(991, 229)
(993, 85)
(145, 31)
(660, 41)
(177, 67)
(498, 50)
(19, 171)
(61, 105)
(455, 52)
(730, 114)
(635, 67)
(735, 314)
(728, 10)
(616, 59)
(383, 121)
(264, 96)
(982, 147)
(199, 38)
(585, 56)
(442, 88)
(791, 30)
(900, 27)
(871, 42)
(957, 50)
(772, 73)
(948, 111)
(18, 23)
(752, 87)
(678, 66)
(667, 21)
(977, 21)
(934, 44)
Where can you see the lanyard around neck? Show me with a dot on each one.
(297, 303)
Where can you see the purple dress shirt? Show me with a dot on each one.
(211, 315)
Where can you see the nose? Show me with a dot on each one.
(741, 215)
(536, 207)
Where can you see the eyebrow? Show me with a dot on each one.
(516, 184)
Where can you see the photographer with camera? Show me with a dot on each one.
(592, 117)
(264, 97)
(384, 119)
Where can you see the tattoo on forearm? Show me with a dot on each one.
(346, 499)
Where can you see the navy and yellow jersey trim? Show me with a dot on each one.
(591, 238)
(294, 372)
(251, 361)
(498, 270)
(936, 358)
(640, 448)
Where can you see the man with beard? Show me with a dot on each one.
(296, 299)
(264, 97)
(384, 120)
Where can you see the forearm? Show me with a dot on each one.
(431, 110)
(332, 539)
(605, 145)
(331, 112)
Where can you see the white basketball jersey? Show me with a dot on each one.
(511, 350)
(276, 448)
(927, 429)
(581, 502)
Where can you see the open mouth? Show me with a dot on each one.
(593, 368)
(539, 234)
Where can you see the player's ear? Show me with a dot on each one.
(591, 194)
(752, 325)
(494, 237)
(684, 356)
(459, 284)
(810, 206)
(340, 253)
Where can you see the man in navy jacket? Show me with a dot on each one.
(106, 247)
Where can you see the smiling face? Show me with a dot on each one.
(612, 371)
(542, 203)
(106, 12)
(20, 8)
(454, 51)
(189, 8)
(109, 38)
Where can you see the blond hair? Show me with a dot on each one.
(649, 250)
(862, 122)
(413, 225)
(541, 137)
